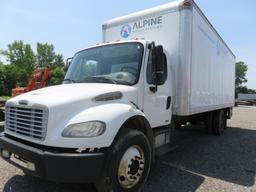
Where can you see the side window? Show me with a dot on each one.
(161, 77)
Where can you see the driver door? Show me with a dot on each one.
(157, 105)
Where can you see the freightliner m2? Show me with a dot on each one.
(156, 70)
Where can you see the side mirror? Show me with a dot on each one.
(68, 62)
(159, 59)
(158, 65)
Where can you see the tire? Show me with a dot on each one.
(208, 121)
(219, 122)
(177, 125)
(128, 163)
(225, 123)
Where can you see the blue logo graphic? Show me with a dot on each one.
(126, 31)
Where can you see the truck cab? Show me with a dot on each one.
(112, 93)
(138, 64)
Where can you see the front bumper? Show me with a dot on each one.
(54, 166)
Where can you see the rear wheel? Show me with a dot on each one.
(128, 163)
(219, 122)
(208, 121)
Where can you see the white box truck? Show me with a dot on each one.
(120, 100)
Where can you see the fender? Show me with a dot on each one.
(113, 114)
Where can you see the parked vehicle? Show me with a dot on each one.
(245, 99)
(37, 80)
(155, 70)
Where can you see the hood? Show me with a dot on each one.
(70, 93)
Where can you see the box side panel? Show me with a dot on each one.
(212, 70)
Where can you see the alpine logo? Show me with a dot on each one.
(126, 31)
(142, 26)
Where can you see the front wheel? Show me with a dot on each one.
(128, 163)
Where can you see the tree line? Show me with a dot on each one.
(241, 70)
(21, 61)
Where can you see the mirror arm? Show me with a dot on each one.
(155, 78)
(154, 72)
(153, 89)
(68, 61)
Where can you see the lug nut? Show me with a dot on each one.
(122, 178)
(138, 157)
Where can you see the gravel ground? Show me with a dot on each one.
(201, 162)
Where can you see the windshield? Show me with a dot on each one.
(118, 64)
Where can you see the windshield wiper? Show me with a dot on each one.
(69, 80)
(99, 80)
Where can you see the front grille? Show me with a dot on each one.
(26, 121)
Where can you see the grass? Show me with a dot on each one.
(5, 97)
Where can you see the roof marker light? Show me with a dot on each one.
(186, 4)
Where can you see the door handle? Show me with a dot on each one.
(168, 103)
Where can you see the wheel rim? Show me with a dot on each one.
(131, 167)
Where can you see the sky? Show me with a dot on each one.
(73, 25)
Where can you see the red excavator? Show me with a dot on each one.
(38, 80)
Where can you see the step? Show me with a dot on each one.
(165, 149)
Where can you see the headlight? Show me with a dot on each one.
(86, 129)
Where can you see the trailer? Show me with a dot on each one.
(120, 101)
(246, 97)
